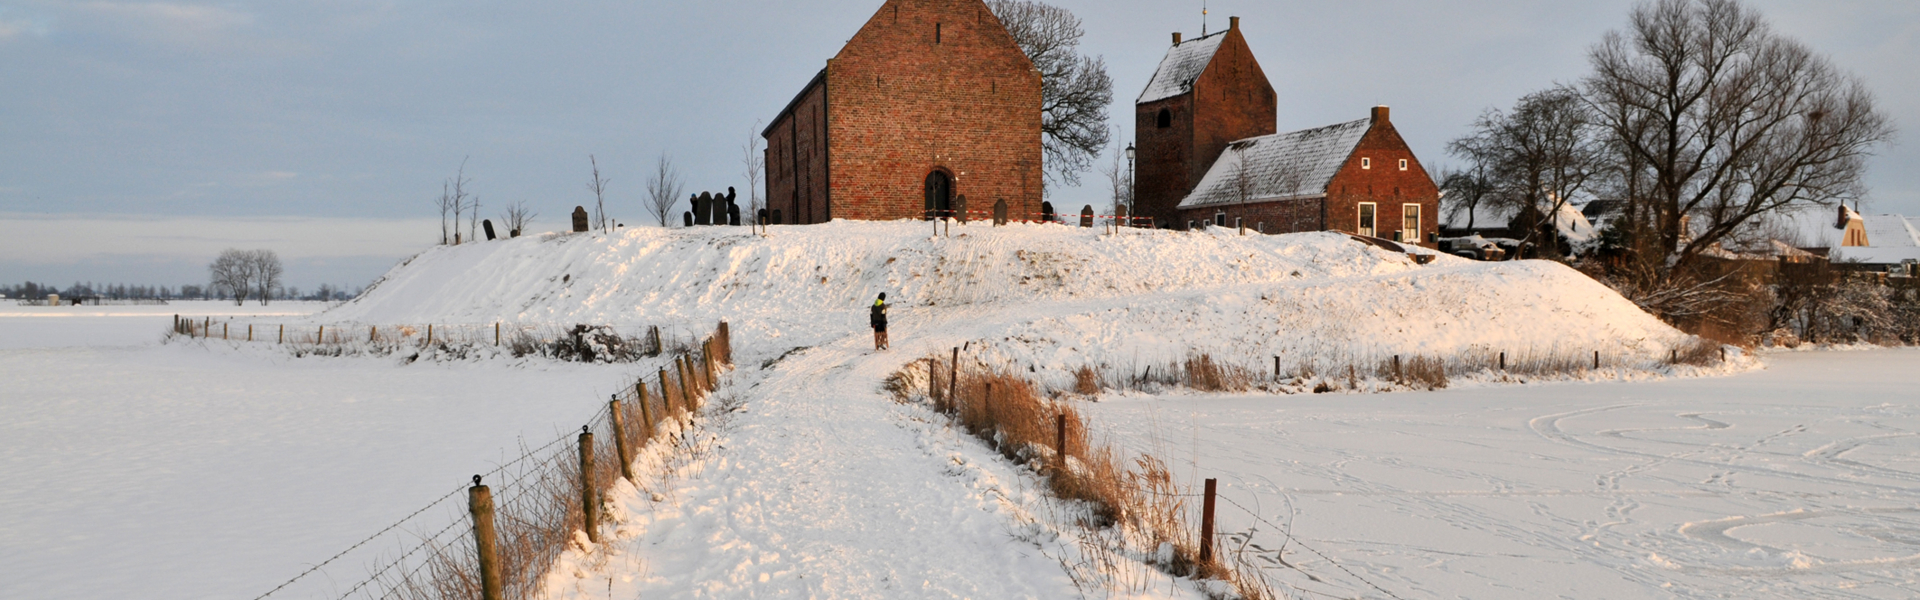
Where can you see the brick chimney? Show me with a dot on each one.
(1176, 38)
(1233, 23)
(1380, 114)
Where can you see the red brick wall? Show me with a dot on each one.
(1162, 157)
(1385, 185)
(903, 103)
(797, 159)
(1232, 100)
(1286, 216)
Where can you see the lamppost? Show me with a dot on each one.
(1130, 191)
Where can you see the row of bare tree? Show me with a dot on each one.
(1701, 119)
(246, 273)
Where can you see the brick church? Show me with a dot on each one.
(929, 103)
(1205, 130)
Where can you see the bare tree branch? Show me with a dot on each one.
(1075, 90)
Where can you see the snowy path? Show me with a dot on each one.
(1796, 482)
(825, 488)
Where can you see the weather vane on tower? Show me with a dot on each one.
(1203, 18)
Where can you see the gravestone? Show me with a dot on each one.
(999, 212)
(761, 217)
(777, 218)
(488, 223)
(725, 212)
(703, 209)
(514, 233)
(1120, 215)
(960, 208)
(579, 219)
(733, 214)
(688, 216)
(1086, 216)
(1046, 212)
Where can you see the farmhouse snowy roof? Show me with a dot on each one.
(1183, 64)
(1284, 165)
(1892, 231)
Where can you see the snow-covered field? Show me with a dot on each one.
(1801, 481)
(212, 469)
(186, 471)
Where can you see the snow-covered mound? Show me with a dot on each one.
(1067, 294)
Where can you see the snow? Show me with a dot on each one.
(1183, 64)
(1281, 166)
(197, 470)
(1795, 482)
(1073, 295)
(217, 469)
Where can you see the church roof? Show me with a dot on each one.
(1279, 166)
(1183, 64)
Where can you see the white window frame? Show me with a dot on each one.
(1366, 163)
(1410, 214)
(1360, 219)
(1403, 164)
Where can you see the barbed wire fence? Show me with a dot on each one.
(524, 513)
(573, 342)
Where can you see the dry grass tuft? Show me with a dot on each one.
(1086, 382)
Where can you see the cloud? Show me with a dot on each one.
(192, 26)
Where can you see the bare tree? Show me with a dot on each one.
(517, 218)
(473, 219)
(1720, 119)
(599, 188)
(267, 270)
(663, 190)
(1464, 191)
(1074, 89)
(454, 195)
(1532, 161)
(1119, 180)
(232, 271)
(754, 159)
(445, 204)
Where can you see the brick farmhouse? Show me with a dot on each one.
(1205, 132)
(929, 103)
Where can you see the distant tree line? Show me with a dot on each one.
(108, 291)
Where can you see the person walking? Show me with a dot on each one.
(878, 318)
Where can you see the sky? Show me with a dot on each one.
(139, 138)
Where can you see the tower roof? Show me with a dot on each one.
(1279, 166)
(1184, 64)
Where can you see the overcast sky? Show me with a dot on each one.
(139, 138)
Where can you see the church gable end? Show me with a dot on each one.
(932, 86)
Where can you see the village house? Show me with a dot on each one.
(1205, 136)
(930, 103)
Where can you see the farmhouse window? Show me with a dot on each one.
(1403, 164)
(1166, 118)
(1366, 163)
(1366, 218)
(1410, 222)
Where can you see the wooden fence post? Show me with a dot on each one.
(320, 338)
(933, 382)
(1060, 439)
(496, 333)
(620, 438)
(480, 504)
(249, 332)
(223, 332)
(176, 324)
(1596, 360)
(666, 398)
(646, 412)
(953, 380)
(1397, 378)
(1276, 368)
(429, 334)
(1503, 361)
(1206, 523)
(726, 341)
(589, 507)
(373, 333)
(283, 335)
